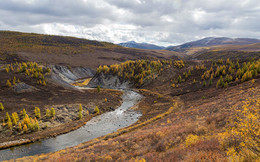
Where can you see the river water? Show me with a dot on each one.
(98, 126)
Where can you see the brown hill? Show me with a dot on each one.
(71, 51)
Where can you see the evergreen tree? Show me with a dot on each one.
(80, 114)
(204, 83)
(52, 112)
(98, 88)
(80, 107)
(87, 113)
(8, 83)
(25, 128)
(1, 106)
(48, 113)
(96, 110)
(210, 82)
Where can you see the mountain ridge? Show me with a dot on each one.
(213, 41)
(133, 44)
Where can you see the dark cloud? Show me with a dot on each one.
(156, 21)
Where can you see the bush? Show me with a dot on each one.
(242, 140)
(191, 140)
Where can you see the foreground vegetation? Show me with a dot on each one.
(189, 134)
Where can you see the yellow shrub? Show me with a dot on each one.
(191, 140)
(242, 140)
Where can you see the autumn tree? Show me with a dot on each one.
(48, 113)
(1, 106)
(96, 110)
(37, 112)
(53, 112)
(8, 83)
(80, 107)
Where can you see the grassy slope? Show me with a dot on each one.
(224, 52)
(68, 50)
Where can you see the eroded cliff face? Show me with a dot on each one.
(109, 81)
(65, 76)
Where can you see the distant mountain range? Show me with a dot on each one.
(213, 41)
(205, 42)
(133, 44)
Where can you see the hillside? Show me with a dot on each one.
(133, 44)
(68, 50)
(186, 114)
(212, 41)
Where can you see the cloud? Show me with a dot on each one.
(163, 22)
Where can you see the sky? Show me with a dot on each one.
(161, 22)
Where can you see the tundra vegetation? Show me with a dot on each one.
(31, 69)
(139, 71)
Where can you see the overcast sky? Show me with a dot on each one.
(162, 22)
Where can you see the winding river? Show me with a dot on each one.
(98, 126)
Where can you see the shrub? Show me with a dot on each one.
(48, 70)
(191, 140)
(242, 140)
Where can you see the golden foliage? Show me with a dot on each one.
(242, 140)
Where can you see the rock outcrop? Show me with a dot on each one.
(109, 81)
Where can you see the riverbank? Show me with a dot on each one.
(98, 126)
(66, 120)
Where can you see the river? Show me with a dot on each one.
(98, 126)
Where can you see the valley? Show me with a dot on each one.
(122, 104)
